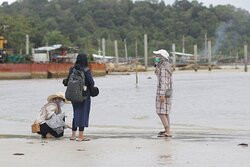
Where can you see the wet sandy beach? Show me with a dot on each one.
(130, 149)
(210, 118)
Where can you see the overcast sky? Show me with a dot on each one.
(244, 4)
(237, 3)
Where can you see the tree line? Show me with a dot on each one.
(82, 23)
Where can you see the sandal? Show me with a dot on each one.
(161, 134)
(84, 139)
(167, 135)
(164, 135)
(72, 139)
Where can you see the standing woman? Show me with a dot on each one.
(81, 109)
(163, 72)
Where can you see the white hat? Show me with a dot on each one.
(162, 52)
(58, 95)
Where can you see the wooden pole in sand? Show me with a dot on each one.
(103, 49)
(183, 44)
(116, 53)
(136, 61)
(209, 55)
(126, 50)
(245, 57)
(27, 45)
(195, 59)
(236, 60)
(146, 51)
(174, 57)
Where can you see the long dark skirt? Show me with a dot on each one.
(81, 112)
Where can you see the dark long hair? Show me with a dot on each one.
(81, 61)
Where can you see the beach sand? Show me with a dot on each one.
(194, 148)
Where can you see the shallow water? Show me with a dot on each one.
(203, 101)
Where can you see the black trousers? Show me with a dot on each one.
(45, 129)
(75, 128)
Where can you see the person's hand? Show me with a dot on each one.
(68, 126)
(65, 82)
(162, 99)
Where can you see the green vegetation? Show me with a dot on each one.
(83, 22)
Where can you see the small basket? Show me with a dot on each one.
(35, 127)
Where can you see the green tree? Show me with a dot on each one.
(83, 22)
(56, 37)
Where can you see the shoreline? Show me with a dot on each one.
(148, 133)
(29, 76)
(100, 73)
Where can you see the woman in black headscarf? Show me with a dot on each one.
(81, 109)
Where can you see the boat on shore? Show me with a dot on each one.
(44, 70)
(45, 62)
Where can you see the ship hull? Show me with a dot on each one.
(48, 70)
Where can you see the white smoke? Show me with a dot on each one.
(220, 35)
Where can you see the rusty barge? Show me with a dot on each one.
(44, 70)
